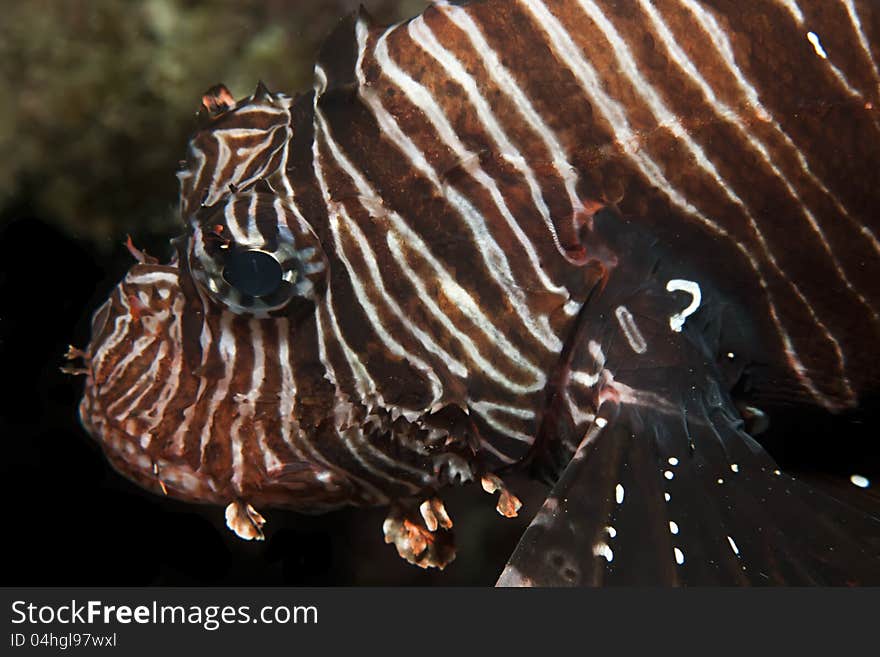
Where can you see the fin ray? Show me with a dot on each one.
(731, 517)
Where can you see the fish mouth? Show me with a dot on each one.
(132, 349)
(300, 485)
(125, 451)
(142, 397)
(132, 343)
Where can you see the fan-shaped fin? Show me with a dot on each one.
(689, 499)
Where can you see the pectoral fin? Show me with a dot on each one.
(688, 498)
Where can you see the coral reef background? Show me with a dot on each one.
(102, 94)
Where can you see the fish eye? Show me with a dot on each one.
(253, 272)
(253, 254)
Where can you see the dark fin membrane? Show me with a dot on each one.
(659, 498)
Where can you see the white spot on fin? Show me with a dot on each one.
(733, 545)
(602, 550)
(860, 481)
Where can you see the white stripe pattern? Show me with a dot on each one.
(454, 289)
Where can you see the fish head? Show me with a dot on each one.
(196, 391)
(205, 377)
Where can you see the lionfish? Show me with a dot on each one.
(551, 235)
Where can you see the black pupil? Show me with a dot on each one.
(253, 273)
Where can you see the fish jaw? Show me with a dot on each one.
(144, 396)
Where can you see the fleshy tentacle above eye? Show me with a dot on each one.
(242, 143)
(250, 248)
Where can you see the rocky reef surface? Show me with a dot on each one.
(101, 96)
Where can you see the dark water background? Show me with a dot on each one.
(80, 184)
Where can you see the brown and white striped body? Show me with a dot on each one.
(447, 291)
